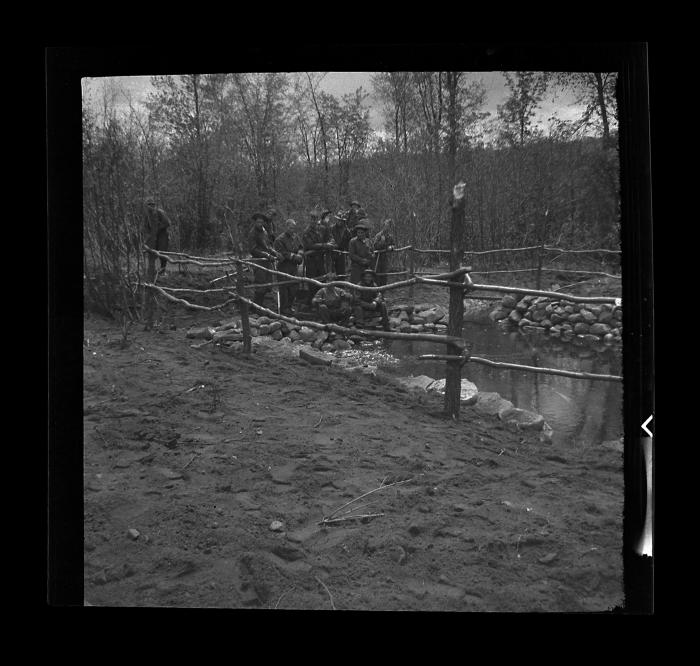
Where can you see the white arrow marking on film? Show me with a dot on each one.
(644, 426)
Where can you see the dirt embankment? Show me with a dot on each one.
(199, 451)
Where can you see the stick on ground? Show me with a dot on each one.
(330, 596)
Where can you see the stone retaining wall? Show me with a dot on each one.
(424, 317)
(561, 319)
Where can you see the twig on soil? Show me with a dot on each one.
(191, 460)
(358, 516)
(283, 595)
(352, 501)
(101, 436)
(319, 422)
(330, 596)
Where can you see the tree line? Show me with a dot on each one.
(214, 148)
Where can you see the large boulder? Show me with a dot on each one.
(588, 317)
(230, 334)
(307, 334)
(276, 335)
(599, 329)
(509, 301)
(434, 315)
(468, 393)
(538, 315)
(315, 357)
(581, 328)
(575, 318)
(416, 328)
(264, 329)
(515, 316)
(341, 344)
(522, 418)
(499, 313)
(264, 320)
(394, 322)
(521, 306)
(404, 327)
(235, 323)
(525, 322)
(423, 306)
(421, 382)
(201, 333)
(321, 337)
(605, 317)
(275, 326)
(294, 335)
(556, 318)
(490, 403)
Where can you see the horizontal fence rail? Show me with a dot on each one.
(544, 371)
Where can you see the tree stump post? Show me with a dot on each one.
(245, 320)
(453, 369)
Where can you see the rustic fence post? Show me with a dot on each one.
(453, 369)
(538, 281)
(540, 251)
(245, 321)
(411, 253)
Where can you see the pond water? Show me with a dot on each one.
(580, 411)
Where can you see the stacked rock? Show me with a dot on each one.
(561, 319)
(427, 317)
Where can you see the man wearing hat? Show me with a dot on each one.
(355, 214)
(370, 301)
(289, 246)
(383, 244)
(317, 241)
(271, 228)
(333, 303)
(263, 252)
(359, 251)
(341, 238)
(157, 225)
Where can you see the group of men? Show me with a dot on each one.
(322, 249)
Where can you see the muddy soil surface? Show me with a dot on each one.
(192, 455)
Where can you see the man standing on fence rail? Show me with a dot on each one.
(355, 214)
(263, 253)
(157, 225)
(333, 303)
(289, 246)
(383, 244)
(317, 241)
(341, 238)
(360, 252)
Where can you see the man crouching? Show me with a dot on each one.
(370, 301)
(332, 302)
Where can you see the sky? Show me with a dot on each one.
(340, 83)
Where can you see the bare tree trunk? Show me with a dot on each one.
(603, 109)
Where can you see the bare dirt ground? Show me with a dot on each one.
(200, 450)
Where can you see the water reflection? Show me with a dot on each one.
(580, 411)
